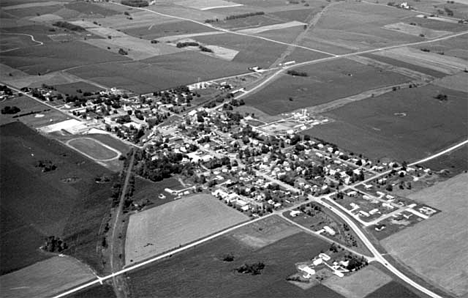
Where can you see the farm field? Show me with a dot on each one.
(180, 276)
(178, 222)
(359, 284)
(46, 278)
(93, 148)
(57, 56)
(392, 290)
(455, 162)
(421, 250)
(455, 82)
(166, 29)
(160, 73)
(72, 88)
(65, 202)
(105, 291)
(325, 82)
(374, 128)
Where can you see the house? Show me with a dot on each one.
(364, 213)
(308, 272)
(324, 256)
(329, 230)
(317, 261)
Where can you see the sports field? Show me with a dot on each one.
(436, 248)
(46, 278)
(93, 149)
(37, 204)
(165, 227)
(201, 271)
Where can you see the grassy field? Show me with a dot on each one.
(36, 204)
(201, 272)
(359, 284)
(455, 162)
(27, 105)
(160, 30)
(105, 291)
(93, 148)
(325, 82)
(46, 278)
(427, 252)
(149, 190)
(179, 222)
(392, 290)
(372, 127)
(159, 73)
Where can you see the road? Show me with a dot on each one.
(116, 245)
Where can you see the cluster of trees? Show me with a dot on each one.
(244, 15)
(69, 26)
(135, 3)
(448, 11)
(46, 165)
(123, 52)
(295, 73)
(54, 244)
(228, 257)
(205, 49)
(442, 97)
(253, 269)
(217, 162)
(10, 110)
(187, 44)
(6, 90)
(355, 262)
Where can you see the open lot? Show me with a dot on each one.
(427, 252)
(325, 82)
(201, 272)
(359, 284)
(94, 149)
(46, 278)
(165, 227)
(375, 128)
(65, 202)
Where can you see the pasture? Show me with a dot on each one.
(165, 227)
(376, 128)
(37, 204)
(359, 284)
(201, 271)
(421, 250)
(46, 278)
(325, 82)
(93, 149)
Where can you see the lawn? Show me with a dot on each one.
(37, 204)
(422, 250)
(93, 149)
(46, 278)
(177, 223)
(201, 272)
(375, 128)
(325, 82)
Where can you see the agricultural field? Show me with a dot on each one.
(166, 29)
(73, 88)
(178, 223)
(180, 276)
(420, 250)
(65, 202)
(359, 284)
(377, 128)
(392, 289)
(46, 278)
(101, 291)
(452, 163)
(159, 73)
(325, 82)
